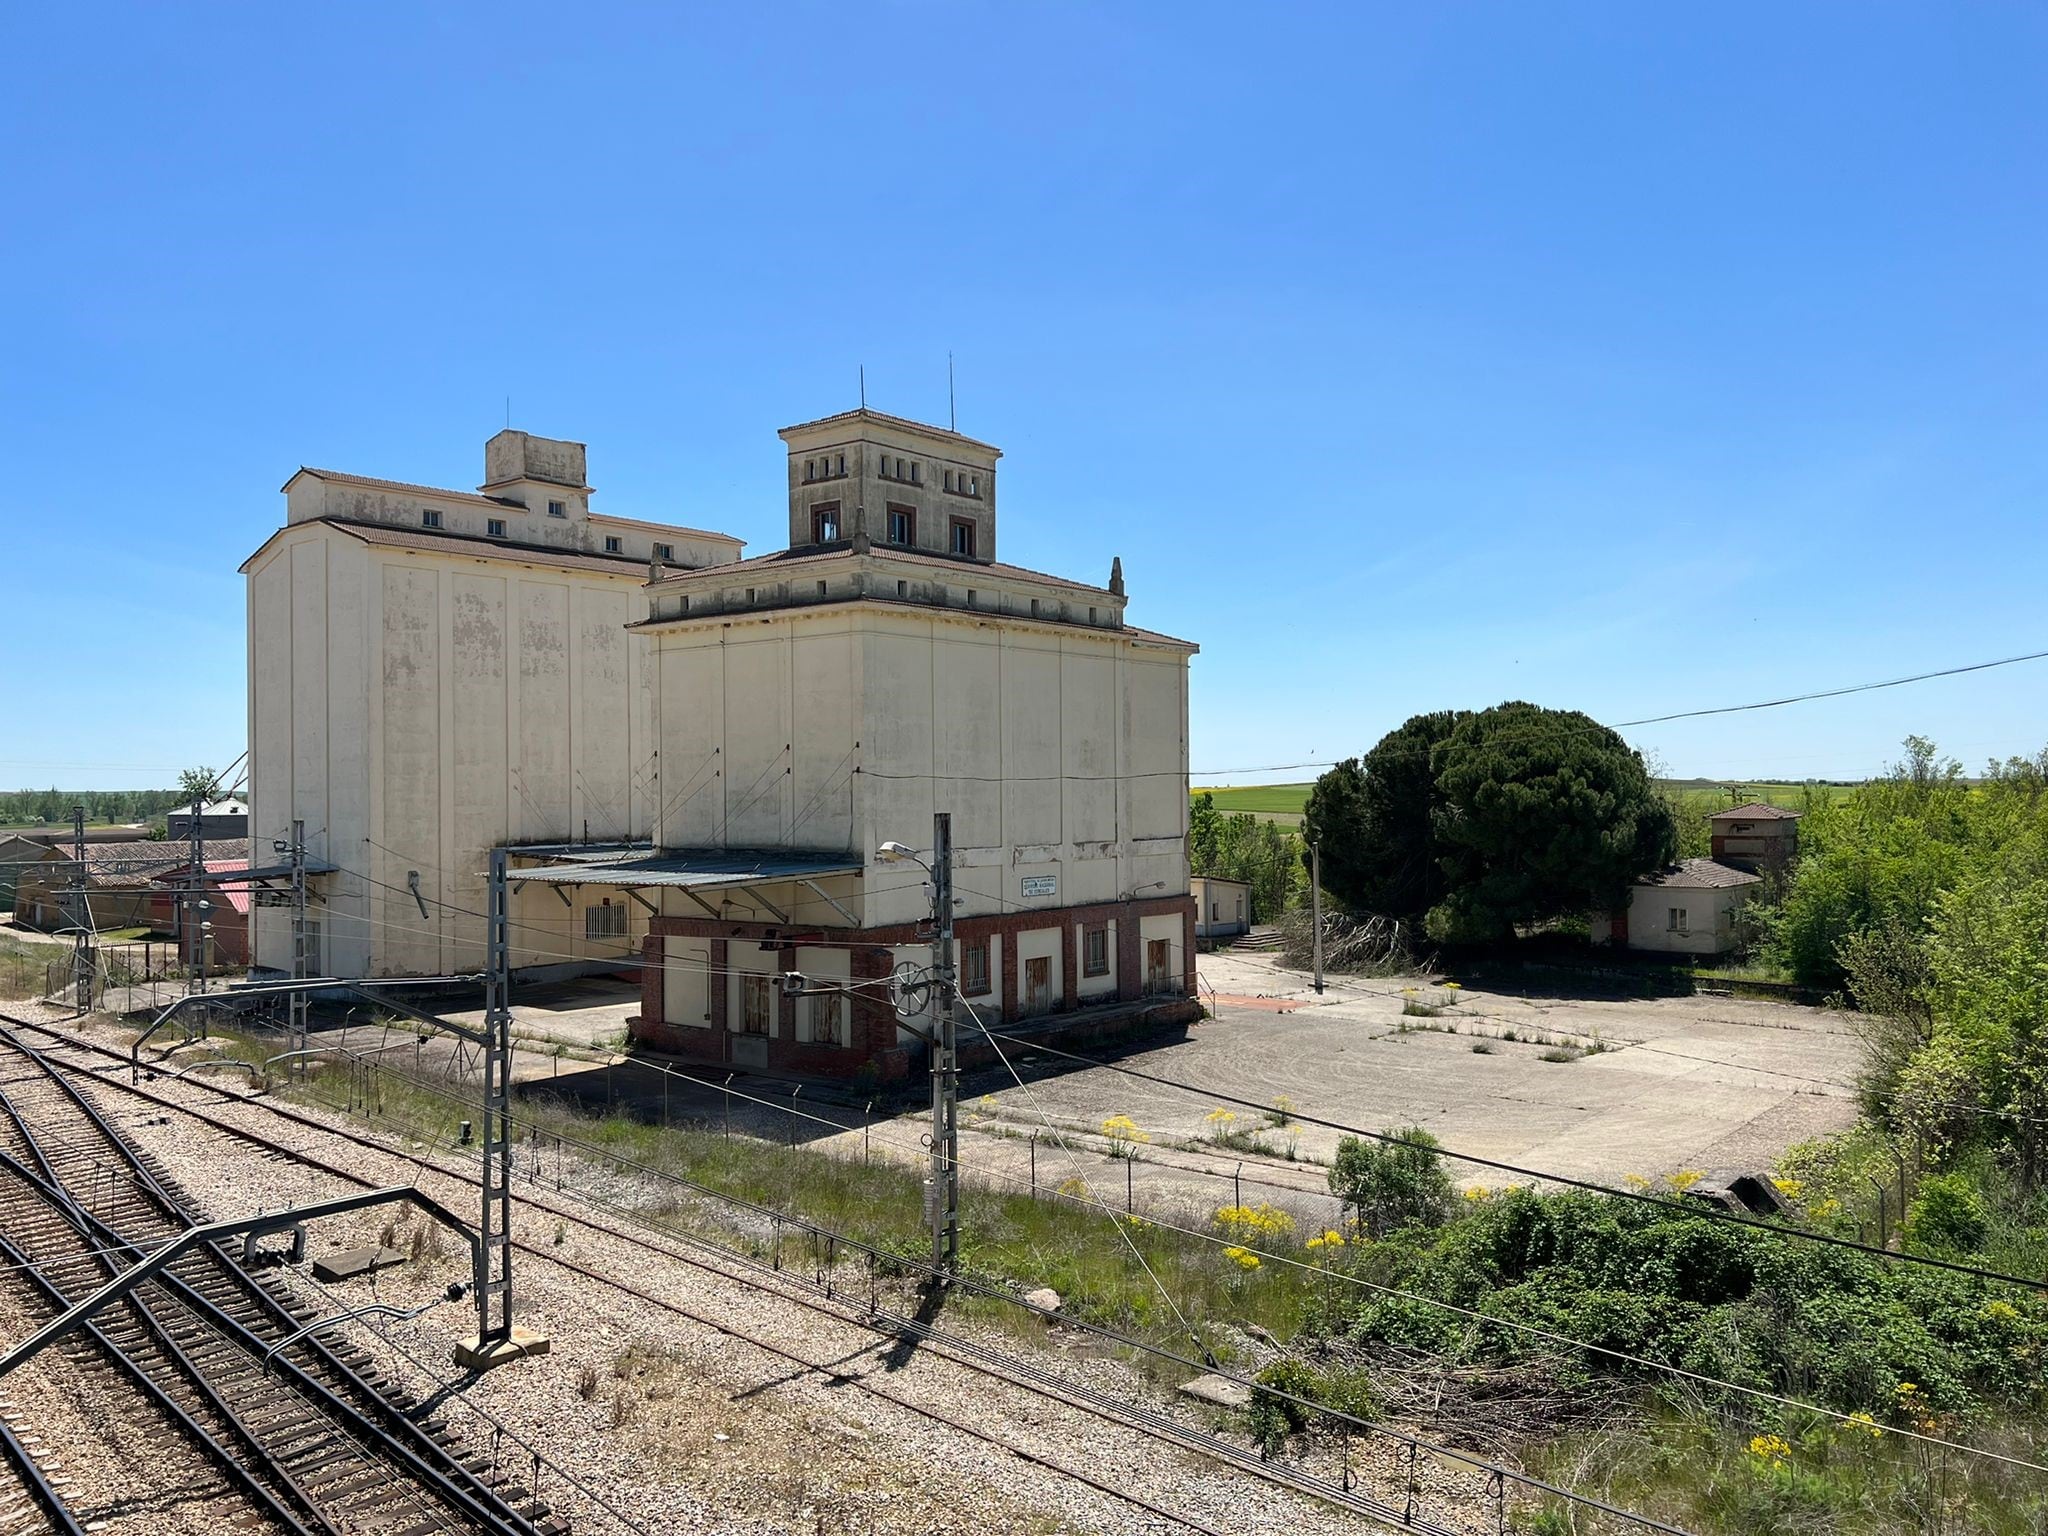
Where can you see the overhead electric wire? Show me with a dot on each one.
(1186, 1328)
(1694, 1209)
(1492, 1319)
(987, 1171)
(968, 1281)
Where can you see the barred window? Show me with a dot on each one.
(605, 922)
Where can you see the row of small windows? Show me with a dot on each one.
(892, 467)
(494, 528)
(899, 528)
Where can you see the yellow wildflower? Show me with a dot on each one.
(1123, 1131)
(1477, 1192)
(1866, 1424)
(1685, 1178)
(1789, 1188)
(1774, 1450)
(1242, 1258)
(1328, 1239)
(1254, 1223)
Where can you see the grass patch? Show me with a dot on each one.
(1061, 1239)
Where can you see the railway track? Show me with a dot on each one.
(722, 1261)
(307, 1442)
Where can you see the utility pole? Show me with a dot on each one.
(194, 914)
(943, 1191)
(81, 914)
(1315, 898)
(300, 1003)
(494, 1300)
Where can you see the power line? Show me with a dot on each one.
(1694, 1210)
(1835, 693)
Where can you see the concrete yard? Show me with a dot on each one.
(1686, 1082)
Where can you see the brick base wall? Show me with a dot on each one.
(874, 1050)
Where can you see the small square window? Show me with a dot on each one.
(902, 526)
(903, 589)
(916, 473)
(825, 522)
(947, 480)
(750, 594)
(495, 527)
(664, 551)
(1091, 615)
(612, 545)
(1034, 607)
(686, 604)
(604, 922)
(1095, 950)
(808, 475)
(558, 509)
(821, 589)
(971, 595)
(430, 518)
(842, 465)
(963, 537)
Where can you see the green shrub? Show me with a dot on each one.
(1392, 1184)
(1948, 1215)
(1271, 1417)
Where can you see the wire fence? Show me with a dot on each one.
(1371, 1468)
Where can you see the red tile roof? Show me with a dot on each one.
(1756, 810)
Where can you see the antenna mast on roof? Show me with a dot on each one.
(952, 409)
(863, 386)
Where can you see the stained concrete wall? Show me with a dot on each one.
(1061, 752)
(1710, 917)
(416, 710)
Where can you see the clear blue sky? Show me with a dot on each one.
(1411, 357)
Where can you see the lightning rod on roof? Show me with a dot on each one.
(952, 408)
(863, 386)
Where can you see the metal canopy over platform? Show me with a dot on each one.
(260, 872)
(688, 869)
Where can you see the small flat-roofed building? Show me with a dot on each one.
(1223, 907)
(221, 819)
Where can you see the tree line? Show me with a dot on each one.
(33, 807)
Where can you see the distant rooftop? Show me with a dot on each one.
(1756, 810)
(1701, 875)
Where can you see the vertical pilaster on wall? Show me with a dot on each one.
(1187, 941)
(785, 1005)
(874, 1020)
(653, 979)
(1070, 977)
(1130, 955)
(1009, 975)
(721, 1015)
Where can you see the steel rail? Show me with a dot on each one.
(120, 1360)
(440, 1472)
(269, 1145)
(1228, 1450)
(832, 1303)
(62, 1521)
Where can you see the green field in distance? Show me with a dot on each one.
(1283, 802)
